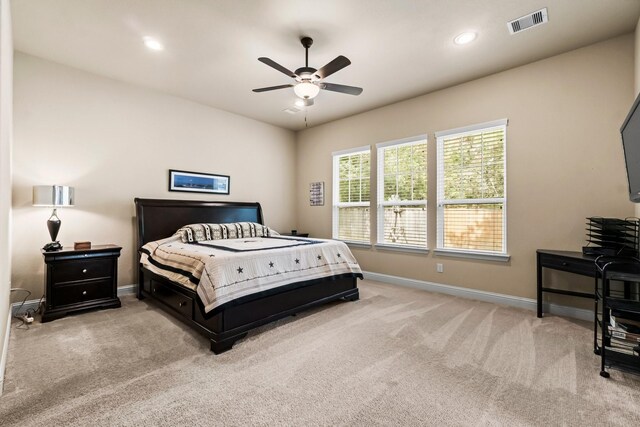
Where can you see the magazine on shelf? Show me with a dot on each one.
(631, 317)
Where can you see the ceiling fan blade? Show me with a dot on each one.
(336, 65)
(273, 64)
(265, 89)
(350, 90)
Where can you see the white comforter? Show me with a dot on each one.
(224, 270)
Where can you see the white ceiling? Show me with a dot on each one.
(399, 49)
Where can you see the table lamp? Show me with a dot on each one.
(54, 196)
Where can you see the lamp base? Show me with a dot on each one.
(52, 247)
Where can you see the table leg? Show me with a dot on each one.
(539, 271)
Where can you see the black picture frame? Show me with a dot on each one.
(198, 182)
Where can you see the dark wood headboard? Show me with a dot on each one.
(160, 218)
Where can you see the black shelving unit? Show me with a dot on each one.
(617, 314)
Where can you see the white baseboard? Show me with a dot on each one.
(127, 289)
(5, 351)
(513, 301)
(32, 304)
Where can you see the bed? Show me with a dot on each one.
(225, 323)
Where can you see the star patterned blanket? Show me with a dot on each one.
(224, 270)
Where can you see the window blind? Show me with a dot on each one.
(402, 193)
(351, 195)
(472, 190)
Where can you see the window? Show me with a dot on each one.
(472, 189)
(351, 194)
(402, 193)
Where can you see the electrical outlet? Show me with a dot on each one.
(439, 268)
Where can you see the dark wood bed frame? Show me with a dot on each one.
(159, 218)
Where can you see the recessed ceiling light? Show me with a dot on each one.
(153, 44)
(465, 38)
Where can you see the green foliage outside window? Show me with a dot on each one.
(405, 172)
(354, 178)
(474, 166)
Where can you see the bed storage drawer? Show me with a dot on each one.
(175, 300)
(262, 308)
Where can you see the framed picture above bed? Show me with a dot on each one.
(197, 182)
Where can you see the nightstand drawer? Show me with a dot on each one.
(82, 269)
(175, 300)
(83, 291)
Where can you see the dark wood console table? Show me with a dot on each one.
(572, 262)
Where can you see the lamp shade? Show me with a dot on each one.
(53, 195)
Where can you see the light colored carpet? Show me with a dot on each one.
(396, 357)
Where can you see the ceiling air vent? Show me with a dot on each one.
(528, 21)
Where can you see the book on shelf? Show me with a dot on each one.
(626, 325)
(623, 335)
(623, 346)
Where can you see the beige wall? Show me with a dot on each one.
(6, 99)
(564, 160)
(114, 142)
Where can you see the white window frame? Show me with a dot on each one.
(336, 194)
(381, 203)
(468, 253)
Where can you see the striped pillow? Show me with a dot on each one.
(235, 230)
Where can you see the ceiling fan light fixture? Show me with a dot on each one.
(306, 90)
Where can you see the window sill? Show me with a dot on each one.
(473, 255)
(397, 248)
(357, 245)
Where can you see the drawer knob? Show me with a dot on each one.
(182, 304)
(84, 270)
(565, 264)
(84, 292)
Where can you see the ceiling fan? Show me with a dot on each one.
(308, 79)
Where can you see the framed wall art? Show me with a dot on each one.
(197, 182)
(316, 193)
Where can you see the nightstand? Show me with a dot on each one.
(295, 235)
(80, 279)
